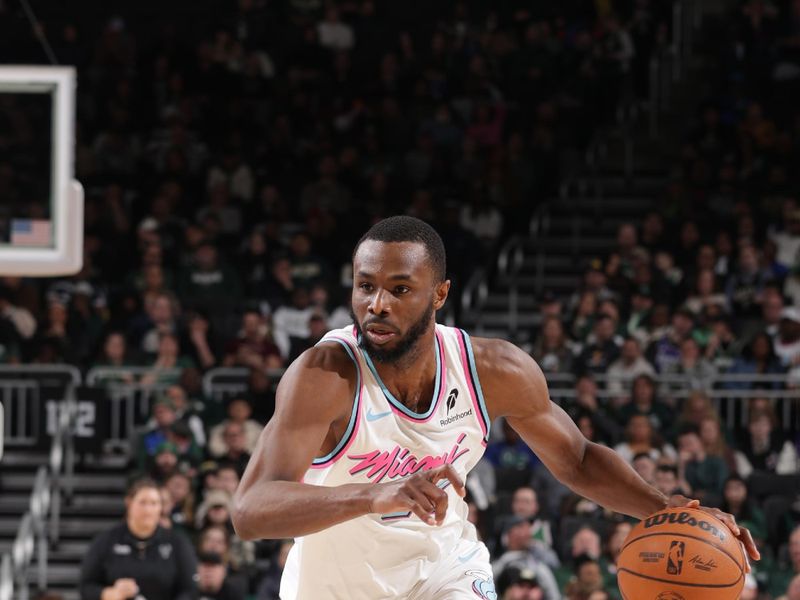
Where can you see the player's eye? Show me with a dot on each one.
(366, 287)
(401, 289)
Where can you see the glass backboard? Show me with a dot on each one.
(41, 205)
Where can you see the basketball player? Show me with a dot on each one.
(377, 426)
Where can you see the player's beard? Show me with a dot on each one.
(406, 346)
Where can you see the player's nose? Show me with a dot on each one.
(378, 303)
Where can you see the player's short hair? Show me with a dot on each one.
(410, 229)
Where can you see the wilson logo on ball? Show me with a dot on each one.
(684, 518)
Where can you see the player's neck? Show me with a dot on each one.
(411, 378)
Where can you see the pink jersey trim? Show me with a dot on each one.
(359, 397)
(472, 393)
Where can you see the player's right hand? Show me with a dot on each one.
(417, 493)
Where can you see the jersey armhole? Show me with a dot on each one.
(352, 426)
(471, 373)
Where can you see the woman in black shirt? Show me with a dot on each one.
(138, 558)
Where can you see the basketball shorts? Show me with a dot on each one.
(464, 575)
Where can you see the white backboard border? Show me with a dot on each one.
(65, 257)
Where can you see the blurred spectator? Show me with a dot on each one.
(552, 349)
(209, 284)
(517, 543)
(601, 351)
(616, 541)
(269, 587)
(714, 442)
(185, 413)
(525, 504)
(162, 315)
(640, 437)
(234, 440)
(317, 328)
(787, 240)
(736, 500)
(215, 509)
(764, 448)
(138, 557)
(630, 365)
(758, 358)
(588, 579)
(333, 33)
(787, 342)
(511, 453)
(668, 481)
(253, 346)
(239, 412)
(163, 417)
(168, 363)
(704, 473)
(645, 402)
(746, 283)
(706, 294)
(292, 321)
(696, 372)
(786, 580)
(645, 467)
(518, 584)
(213, 582)
(165, 462)
(180, 489)
(664, 352)
(227, 478)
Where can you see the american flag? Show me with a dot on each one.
(31, 232)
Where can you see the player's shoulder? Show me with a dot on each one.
(320, 383)
(509, 376)
(326, 359)
(501, 357)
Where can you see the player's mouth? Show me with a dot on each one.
(380, 335)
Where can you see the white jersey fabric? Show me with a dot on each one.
(397, 555)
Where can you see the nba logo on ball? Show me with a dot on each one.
(675, 558)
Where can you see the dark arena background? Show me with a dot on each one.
(616, 183)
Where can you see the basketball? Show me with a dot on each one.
(681, 554)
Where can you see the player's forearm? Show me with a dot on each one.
(284, 509)
(606, 478)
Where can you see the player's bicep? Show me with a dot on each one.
(521, 396)
(311, 396)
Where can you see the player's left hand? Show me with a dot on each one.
(741, 533)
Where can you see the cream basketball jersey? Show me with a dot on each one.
(393, 555)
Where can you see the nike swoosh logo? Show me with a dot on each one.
(371, 416)
(466, 557)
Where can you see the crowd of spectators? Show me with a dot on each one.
(233, 152)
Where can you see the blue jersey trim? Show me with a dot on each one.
(353, 415)
(476, 382)
(399, 405)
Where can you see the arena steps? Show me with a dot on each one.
(16, 503)
(83, 483)
(96, 505)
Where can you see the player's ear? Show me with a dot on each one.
(440, 294)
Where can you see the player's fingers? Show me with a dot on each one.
(449, 473)
(424, 515)
(749, 545)
(729, 520)
(421, 499)
(438, 497)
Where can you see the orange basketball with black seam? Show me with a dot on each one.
(681, 554)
